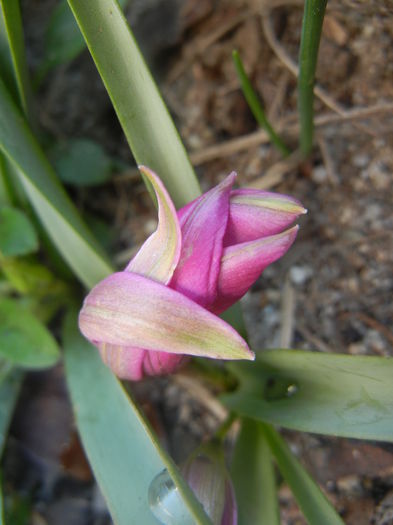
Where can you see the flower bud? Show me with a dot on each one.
(211, 484)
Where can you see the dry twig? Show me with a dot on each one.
(202, 395)
(259, 137)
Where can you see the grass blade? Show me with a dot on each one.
(314, 12)
(312, 502)
(256, 106)
(333, 394)
(143, 115)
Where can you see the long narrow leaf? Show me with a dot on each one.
(144, 117)
(123, 452)
(49, 199)
(254, 478)
(255, 105)
(9, 391)
(341, 395)
(13, 26)
(314, 12)
(313, 503)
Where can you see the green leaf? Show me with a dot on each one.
(334, 394)
(13, 26)
(9, 392)
(63, 40)
(24, 341)
(30, 277)
(312, 502)
(313, 15)
(51, 203)
(124, 453)
(17, 234)
(6, 66)
(144, 117)
(255, 105)
(254, 477)
(82, 162)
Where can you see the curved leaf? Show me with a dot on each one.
(341, 395)
(49, 199)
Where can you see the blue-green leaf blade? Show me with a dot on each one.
(315, 506)
(253, 477)
(123, 452)
(334, 394)
(144, 117)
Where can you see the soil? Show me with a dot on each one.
(332, 291)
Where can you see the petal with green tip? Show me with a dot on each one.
(254, 214)
(242, 264)
(130, 310)
(159, 255)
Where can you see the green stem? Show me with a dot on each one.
(256, 106)
(314, 12)
(224, 428)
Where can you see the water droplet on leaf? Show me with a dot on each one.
(278, 388)
(166, 503)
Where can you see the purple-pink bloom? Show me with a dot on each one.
(198, 262)
(211, 484)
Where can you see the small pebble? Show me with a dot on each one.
(319, 174)
(300, 274)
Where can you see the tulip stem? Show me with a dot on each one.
(314, 12)
(256, 106)
(224, 428)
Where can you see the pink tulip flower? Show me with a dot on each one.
(198, 262)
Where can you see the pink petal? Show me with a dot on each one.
(135, 363)
(203, 223)
(230, 510)
(129, 310)
(159, 255)
(242, 264)
(254, 214)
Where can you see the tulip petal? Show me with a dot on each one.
(159, 254)
(242, 264)
(254, 214)
(134, 363)
(129, 310)
(230, 510)
(203, 223)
